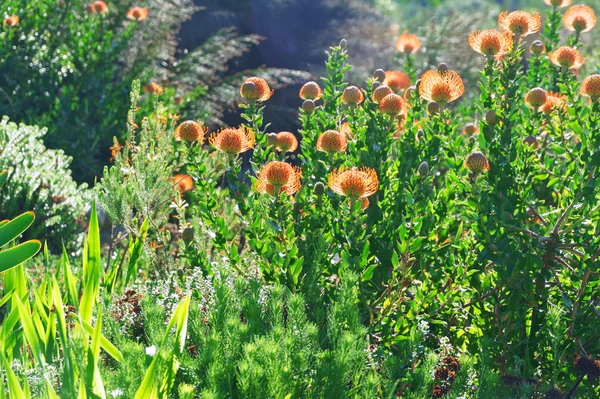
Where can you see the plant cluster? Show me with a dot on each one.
(407, 241)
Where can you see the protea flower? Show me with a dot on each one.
(13, 20)
(380, 92)
(352, 95)
(190, 131)
(532, 141)
(477, 162)
(470, 129)
(520, 23)
(137, 13)
(580, 18)
(558, 3)
(566, 57)
(153, 88)
(591, 87)
(286, 142)
(311, 91)
(441, 87)
(97, 7)
(331, 142)
(536, 97)
(491, 43)
(396, 80)
(278, 178)
(393, 105)
(554, 102)
(408, 43)
(256, 89)
(233, 141)
(354, 183)
(183, 182)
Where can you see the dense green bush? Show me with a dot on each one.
(40, 180)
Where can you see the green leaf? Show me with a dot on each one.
(16, 255)
(3, 177)
(104, 343)
(136, 251)
(91, 268)
(30, 332)
(14, 228)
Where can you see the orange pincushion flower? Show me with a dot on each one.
(491, 43)
(311, 91)
(441, 87)
(352, 95)
(286, 142)
(354, 183)
(278, 178)
(580, 18)
(153, 88)
(183, 183)
(520, 23)
(408, 43)
(477, 162)
(554, 102)
(190, 131)
(393, 105)
(233, 141)
(380, 92)
(470, 129)
(331, 142)
(98, 7)
(137, 13)
(396, 80)
(566, 57)
(591, 87)
(558, 3)
(536, 97)
(11, 21)
(256, 89)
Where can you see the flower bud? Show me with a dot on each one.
(188, 235)
(537, 47)
(319, 189)
(180, 273)
(308, 106)
(343, 44)
(433, 108)
(443, 67)
(379, 75)
(272, 139)
(375, 85)
(423, 169)
(491, 118)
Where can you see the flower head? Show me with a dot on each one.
(408, 43)
(97, 7)
(311, 91)
(137, 13)
(278, 178)
(536, 97)
(441, 87)
(352, 95)
(558, 3)
(393, 105)
(591, 87)
(491, 43)
(477, 162)
(286, 142)
(183, 182)
(256, 89)
(354, 183)
(153, 88)
(520, 23)
(470, 129)
(332, 141)
(580, 18)
(396, 80)
(233, 141)
(380, 92)
(11, 21)
(190, 131)
(566, 57)
(554, 102)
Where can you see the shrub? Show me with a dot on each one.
(40, 180)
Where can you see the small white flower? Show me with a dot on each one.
(151, 351)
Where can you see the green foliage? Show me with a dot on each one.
(40, 179)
